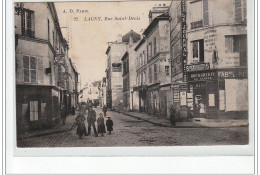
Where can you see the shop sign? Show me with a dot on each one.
(177, 77)
(197, 67)
(116, 67)
(183, 98)
(184, 37)
(176, 96)
(209, 75)
(231, 74)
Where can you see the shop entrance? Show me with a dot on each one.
(200, 100)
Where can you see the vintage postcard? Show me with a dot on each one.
(132, 74)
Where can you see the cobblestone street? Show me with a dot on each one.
(129, 131)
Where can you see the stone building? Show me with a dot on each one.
(157, 36)
(130, 99)
(178, 42)
(40, 64)
(217, 58)
(141, 75)
(114, 89)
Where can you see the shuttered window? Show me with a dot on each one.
(155, 72)
(154, 46)
(29, 67)
(150, 75)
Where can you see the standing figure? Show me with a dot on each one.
(63, 114)
(173, 115)
(91, 119)
(202, 109)
(81, 128)
(109, 124)
(105, 110)
(101, 125)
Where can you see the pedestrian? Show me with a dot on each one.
(173, 115)
(105, 110)
(109, 124)
(101, 125)
(63, 114)
(202, 109)
(80, 124)
(91, 119)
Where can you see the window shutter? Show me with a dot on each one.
(205, 13)
(40, 71)
(238, 12)
(26, 68)
(33, 63)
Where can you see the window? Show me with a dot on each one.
(155, 72)
(27, 19)
(237, 44)
(240, 10)
(167, 71)
(48, 29)
(144, 76)
(144, 57)
(150, 75)
(33, 110)
(141, 59)
(150, 50)
(147, 53)
(154, 46)
(29, 68)
(198, 51)
(199, 13)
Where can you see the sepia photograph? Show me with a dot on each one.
(131, 73)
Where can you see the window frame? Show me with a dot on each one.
(29, 69)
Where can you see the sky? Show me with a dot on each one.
(89, 39)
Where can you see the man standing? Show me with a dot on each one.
(91, 119)
(105, 110)
(173, 115)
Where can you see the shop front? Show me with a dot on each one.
(153, 100)
(165, 100)
(218, 93)
(142, 93)
(37, 107)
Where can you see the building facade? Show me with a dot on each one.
(114, 89)
(130, 99)
(157, 36)
(217, 58)
(178, 42)
(40, 58)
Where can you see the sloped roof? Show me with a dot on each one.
(136, 36)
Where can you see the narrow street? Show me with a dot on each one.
(129, 131)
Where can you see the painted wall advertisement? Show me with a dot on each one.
(184, 37)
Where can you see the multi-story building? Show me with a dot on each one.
(40, 57)
(217, 58)
(178, 41)
(130, 99)
(157, 36)
(114, 53)
(141, 75)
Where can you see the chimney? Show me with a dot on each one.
(119, 38)
(131, 41)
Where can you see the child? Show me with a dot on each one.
(109, 124)
(81, 125)
(101, 125)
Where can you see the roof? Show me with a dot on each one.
(140, 44)
(124, 56)
(164, 16)
(136, 36)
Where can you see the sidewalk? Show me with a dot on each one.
(195, 123)
(69, 122)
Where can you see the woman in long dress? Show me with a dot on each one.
(101, 125)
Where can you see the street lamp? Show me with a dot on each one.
(18, 7)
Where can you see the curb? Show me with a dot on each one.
(162, 125)
(43, 134)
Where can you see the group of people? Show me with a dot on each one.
(91, 120)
